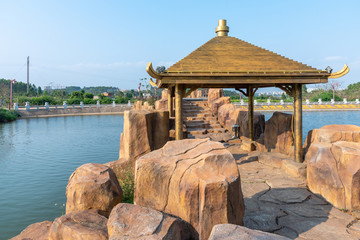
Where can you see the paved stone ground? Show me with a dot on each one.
(279, 203)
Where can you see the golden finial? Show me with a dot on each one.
(222, 29)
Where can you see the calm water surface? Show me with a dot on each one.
(312, 120)
(37, 157)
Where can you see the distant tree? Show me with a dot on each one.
(76, 94)
(88, 95)
(304, 88)
(39, 91)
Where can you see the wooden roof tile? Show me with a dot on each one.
(230, 54)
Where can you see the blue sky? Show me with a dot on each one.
(108, 43)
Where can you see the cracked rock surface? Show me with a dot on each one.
(128, 221)
(194, 179)
(279, 203)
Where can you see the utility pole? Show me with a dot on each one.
(12, 81)
(27, 76)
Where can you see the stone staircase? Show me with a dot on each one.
(199, 119)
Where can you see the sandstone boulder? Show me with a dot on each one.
(79, 225)
(93, 186)
(235, 232)
(215, 93)
(228, 115)
(278, 135)
(161, 104)
(36, 231)
(144, 131)
(333, 170)
(128, 221)
(333, 133)
(194, 179)
(164, 94)
(216, 104)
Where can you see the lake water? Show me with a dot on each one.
(312, 120)
(37, 157)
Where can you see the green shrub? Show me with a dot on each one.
(106, 100)
(7, 116)
(121, 100)
(73, 101)
(89, 101)
(326, 97)
(126, 181)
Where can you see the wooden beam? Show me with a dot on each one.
(171, 101)
(190, 91)
(251, 112)
(179, 92)
(298, 122)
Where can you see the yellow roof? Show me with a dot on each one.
(230, 54)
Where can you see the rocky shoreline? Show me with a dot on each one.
(215, 187)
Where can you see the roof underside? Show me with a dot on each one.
(230, 62)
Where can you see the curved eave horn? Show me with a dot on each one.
(340, 73)
(150, 70)
(152, 83)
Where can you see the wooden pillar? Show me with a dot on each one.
(178, 112)
(298, 122)
(251, 112)
(170, 101)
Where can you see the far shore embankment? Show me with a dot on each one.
(34, 112)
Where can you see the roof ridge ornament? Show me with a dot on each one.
(222, 29)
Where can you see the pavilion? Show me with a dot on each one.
(228, 62)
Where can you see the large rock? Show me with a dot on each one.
(36, 231)
(161, 104)
(333, 170)
(194, 179)
(215, 93)
(216, 104)
(164, 94)
(128, 221)
(278, 135)
(235, 232)
(79, 226)
(333, 133)
(93, 186)
(228, 115)
(144, 131)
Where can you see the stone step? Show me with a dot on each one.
(191, 118)
(203, 121)
(198, 131)
(216, 130)
(197, 125)
(187, 112)
(214, 126)
(197, 115)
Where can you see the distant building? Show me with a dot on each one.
(106, 94)
(96, 97)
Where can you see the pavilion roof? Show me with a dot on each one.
(226, 61)
(230, 54)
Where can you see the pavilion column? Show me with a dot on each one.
(171, 101)
(179, 92)
(298, 122)
(251, 112)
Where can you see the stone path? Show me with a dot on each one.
(279, 203)
(199, 120)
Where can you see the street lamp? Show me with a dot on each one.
(12, 81)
